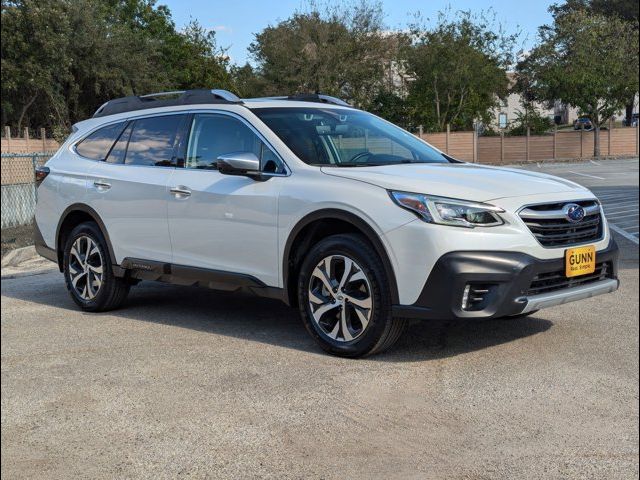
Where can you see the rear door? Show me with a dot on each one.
(225, 222)
(129, 189)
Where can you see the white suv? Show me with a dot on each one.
(354, 221)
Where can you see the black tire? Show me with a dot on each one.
(382, 329)
(112, 291)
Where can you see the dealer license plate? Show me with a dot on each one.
(580, 261)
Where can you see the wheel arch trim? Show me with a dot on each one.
(84, 208)
(359, 223)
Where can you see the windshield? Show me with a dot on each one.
(345, 138)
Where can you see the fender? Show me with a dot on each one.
(81, 207)
(360, 224)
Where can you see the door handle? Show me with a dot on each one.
(100, 185)
(180, 191)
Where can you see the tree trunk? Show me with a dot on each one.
(596, 139)
(437, 98)
(24, 110)
(628, 113)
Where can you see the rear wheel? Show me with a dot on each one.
(344, 298)
(88, 270)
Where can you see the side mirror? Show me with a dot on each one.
(245, 164)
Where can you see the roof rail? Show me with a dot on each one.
(155, 100)
(318, 98)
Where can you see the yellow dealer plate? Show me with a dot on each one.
(580, 261)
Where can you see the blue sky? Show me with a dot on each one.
(236, 22)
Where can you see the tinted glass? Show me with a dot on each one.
(152, 141)
(345, 138)
(214, 135)
(97, 145)
(117, 153)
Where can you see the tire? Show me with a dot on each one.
(356, 320)
(91, 282)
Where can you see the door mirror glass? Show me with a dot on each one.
(239, 163)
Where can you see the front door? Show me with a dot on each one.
(222, 222)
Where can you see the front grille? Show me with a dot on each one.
(549, 224)
(552, 281)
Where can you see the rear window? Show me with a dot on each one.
(152, 141)
(119, 150)
(97, 145)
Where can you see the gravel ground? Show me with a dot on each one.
(192, 383)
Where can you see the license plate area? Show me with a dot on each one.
(580, 261)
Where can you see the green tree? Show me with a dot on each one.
(458, 68)
(35, 60)
(248, 82)
(530, 119)
(338, 51)
(392, 107)
(624, 9)
(627, 10)
(61, 59)
(585, 60)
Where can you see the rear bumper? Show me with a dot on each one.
(41, 247)
(506, 280)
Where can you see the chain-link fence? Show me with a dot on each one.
(18, 187)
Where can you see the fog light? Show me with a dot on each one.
(476, 296)
(465, 297)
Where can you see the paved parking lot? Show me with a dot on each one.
(193, 383)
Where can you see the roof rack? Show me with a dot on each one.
(155, 100)
(318, 98)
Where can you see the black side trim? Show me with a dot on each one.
(140, 269)
(41, 247)
(360, 224)
(81, 207)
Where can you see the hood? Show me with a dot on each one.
(465, 181)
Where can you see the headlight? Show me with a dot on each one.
(449, 211)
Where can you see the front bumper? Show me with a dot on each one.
(511, 283)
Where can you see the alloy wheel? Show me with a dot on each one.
(340, 298)
(85, 267)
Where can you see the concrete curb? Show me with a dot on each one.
(25, 262)
(12, 276)
(18, 256)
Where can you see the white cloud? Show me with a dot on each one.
(222, 28)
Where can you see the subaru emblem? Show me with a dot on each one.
(574, 212)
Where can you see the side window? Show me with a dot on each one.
(117, 153)
(152, 141)
(97, 145)
(213, 135)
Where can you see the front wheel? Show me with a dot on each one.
(344, 298)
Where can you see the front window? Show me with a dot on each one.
(213, 135)
(345, 138)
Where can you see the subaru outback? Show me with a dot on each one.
(352, 220)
